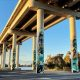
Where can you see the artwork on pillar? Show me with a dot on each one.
(74, 49)
(40, 44)
(13, 60)
(34, 55)
(74, 56)
(34, 62)
(40, 56)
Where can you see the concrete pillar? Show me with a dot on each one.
(1, 60)
(9, 52)
(40, 40)
(3, 56)
(34, 52)
(73, 41)
(13, 52)
(17, 56)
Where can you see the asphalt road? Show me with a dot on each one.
(31, 75)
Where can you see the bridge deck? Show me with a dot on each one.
(24, 17)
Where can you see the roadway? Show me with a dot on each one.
(31, 75)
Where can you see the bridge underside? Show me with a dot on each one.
(24, 19)
(57, 11)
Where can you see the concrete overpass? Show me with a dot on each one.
(29, 20)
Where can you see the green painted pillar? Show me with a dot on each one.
(13, 52)
(73, 40)
(40, 41)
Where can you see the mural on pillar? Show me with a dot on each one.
(34, 55)
(74, 48)
(13, 59)
(34, 62)
(40, 52)
(74, 56)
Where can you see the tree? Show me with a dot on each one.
(59, 62)
(49, 61)
(67, 59)
(56, 61)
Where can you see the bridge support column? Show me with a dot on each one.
(9, 52)
(73, 40)
(40, 40)
(13, 52)
(3, 56)
(1, 60)
(34, 53)
(17, 56)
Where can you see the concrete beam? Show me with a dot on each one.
(45, 20)
(15, 12)
(20, 38)
(17, 40)
(3, 39)
(18, 18)
(51, 24)
(54, 10)
(26, 39)
(55, 22)
(21, 14)
(25, 33)
(73, 3)
(48, 26)
(29, 22)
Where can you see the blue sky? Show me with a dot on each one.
(56, 38)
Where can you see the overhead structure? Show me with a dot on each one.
(30, 18)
